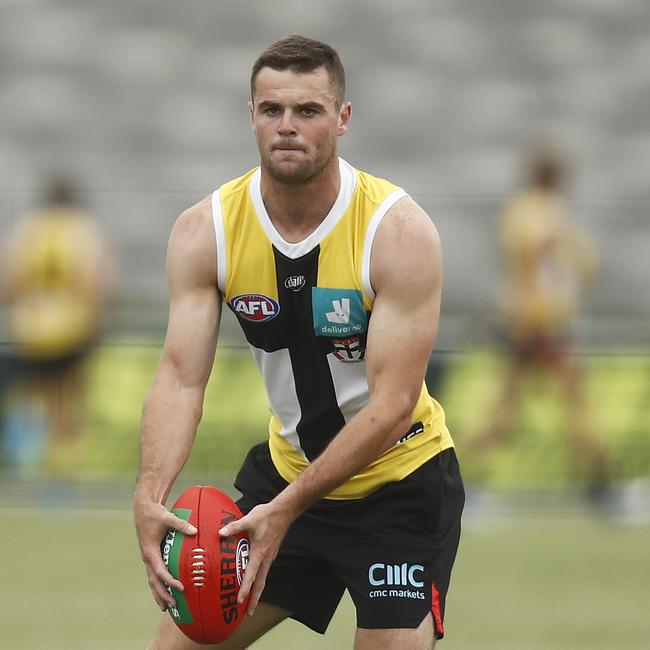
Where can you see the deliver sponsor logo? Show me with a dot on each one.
(338, 312)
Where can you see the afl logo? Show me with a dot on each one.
(255, 307)
(243, 547)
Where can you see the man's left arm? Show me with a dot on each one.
(406, 270)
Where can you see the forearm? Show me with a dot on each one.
(170, 418)
(371, 432)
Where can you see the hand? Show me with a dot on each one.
(266, 526)
(152, 520)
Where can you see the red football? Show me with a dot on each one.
(210, 567)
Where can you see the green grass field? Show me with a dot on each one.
(74, 581)
(564, 581)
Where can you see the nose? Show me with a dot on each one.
(287, 126)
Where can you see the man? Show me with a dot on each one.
(548, 261)
(359, 473)
(56, 276)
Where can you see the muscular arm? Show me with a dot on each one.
(406, 276)
(173, 408)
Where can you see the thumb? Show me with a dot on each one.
(232, 528)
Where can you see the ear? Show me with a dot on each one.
(345, 115)
(251, 111)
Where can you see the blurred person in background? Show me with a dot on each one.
(56, 274)
(359, 468)
(548, 261)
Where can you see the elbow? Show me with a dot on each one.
(170, 389)
(398, 413)
(404, 419)
(406, 401)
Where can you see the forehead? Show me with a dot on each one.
(288, 85)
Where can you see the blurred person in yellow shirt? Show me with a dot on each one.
(56, 275)
(548, 261)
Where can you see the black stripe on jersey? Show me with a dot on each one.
(293, 329)
(320, 416)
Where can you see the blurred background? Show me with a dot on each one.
(115, 117)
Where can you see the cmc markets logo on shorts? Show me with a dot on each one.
(243, 549)
(255, 307)
(391, 576)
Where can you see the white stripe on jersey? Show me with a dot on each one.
(383, 208)
(275, 368)
(220, 236)
(350, 385)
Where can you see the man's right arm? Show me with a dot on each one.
(173, 408)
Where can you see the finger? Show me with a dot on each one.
(181, 525)
(168, 579)
(233, 527)
(162, 605)
(258, 588)
(160, 593)
(156, 566)
(249, 578)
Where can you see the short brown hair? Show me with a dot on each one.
(302, 54)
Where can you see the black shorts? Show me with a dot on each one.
(393, 550)
(16, 366)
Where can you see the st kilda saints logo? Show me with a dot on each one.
(349, 349)
(255, 307)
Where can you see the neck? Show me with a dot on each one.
(297, 210)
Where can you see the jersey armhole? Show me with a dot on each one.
(380, 213)
(220, 237)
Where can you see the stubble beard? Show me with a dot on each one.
(300, 173)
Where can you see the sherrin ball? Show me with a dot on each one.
(210, 567)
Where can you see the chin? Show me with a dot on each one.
(290, 173)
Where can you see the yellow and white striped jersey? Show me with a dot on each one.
(304, 308)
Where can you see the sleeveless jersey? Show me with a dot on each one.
(304, 309)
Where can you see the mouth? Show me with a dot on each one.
(287, 148)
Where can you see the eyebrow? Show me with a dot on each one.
(268, 103)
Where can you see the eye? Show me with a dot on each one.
(272, 111)
(308, 112)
